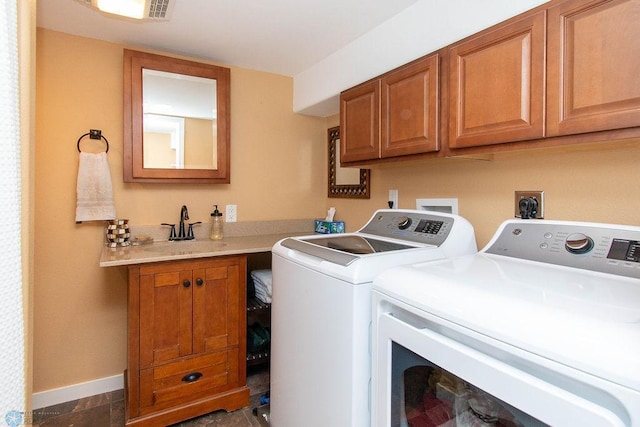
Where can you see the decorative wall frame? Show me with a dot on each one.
(357, 190)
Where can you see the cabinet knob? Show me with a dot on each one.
(189, 378)
(186, 283)
(199, 281)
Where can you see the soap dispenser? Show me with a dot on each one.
(216, 225)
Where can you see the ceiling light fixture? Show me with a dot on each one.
(155, 10)
(129, 8)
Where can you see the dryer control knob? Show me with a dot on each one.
(578, 243)
(405, 222)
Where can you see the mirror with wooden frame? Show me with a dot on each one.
(345, 182)
(176, 120)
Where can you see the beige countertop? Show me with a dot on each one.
(243, 238)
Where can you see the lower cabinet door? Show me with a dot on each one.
(187, 380)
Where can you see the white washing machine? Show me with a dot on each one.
(541, 327)
(321, 311)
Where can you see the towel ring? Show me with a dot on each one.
(94, 134)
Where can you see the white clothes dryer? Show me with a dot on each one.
(539, 328)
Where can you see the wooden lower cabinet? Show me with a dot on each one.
(187, 340)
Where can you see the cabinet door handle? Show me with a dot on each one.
(186, 283)
(189, 378)
(199, 281)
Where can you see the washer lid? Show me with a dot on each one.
(357, 244)
(586, 320)
(344, 249)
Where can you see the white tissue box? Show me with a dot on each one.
(329, 227)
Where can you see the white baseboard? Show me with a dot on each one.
(77, 391)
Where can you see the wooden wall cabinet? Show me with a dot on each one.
(565, 72)
(504, 87)
(394, 115)
(360, 123)
(593, 66)
(187, 340)
(497, 86)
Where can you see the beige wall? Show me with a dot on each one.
(277, 172)
(596, 183)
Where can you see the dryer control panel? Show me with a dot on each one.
(606, 248)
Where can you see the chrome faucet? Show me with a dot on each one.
(184, 215)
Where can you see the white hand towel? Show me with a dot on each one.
(262, 282)
(94, 190)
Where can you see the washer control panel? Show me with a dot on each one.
(606, 248)
(416, 226)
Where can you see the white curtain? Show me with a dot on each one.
(12, 353)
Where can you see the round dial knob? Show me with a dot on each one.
(404, 223)
(578, 243)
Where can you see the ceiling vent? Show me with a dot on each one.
(149, 10)
(159, 9)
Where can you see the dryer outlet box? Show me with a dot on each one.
(537, 195)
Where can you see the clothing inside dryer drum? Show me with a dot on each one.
(429, 396)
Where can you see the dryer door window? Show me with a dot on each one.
(426, 374)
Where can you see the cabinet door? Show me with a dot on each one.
(165, 314)
(593, 66)
(359, 122)
(496, 83)
(218, 305)
(409, 109)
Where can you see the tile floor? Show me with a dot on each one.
(107, 410)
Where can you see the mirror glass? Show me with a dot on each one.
(345, 182)
(179, 115)
(176, 120)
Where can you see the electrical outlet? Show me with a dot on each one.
(393, 199)
(538, 196)
(232, 213)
